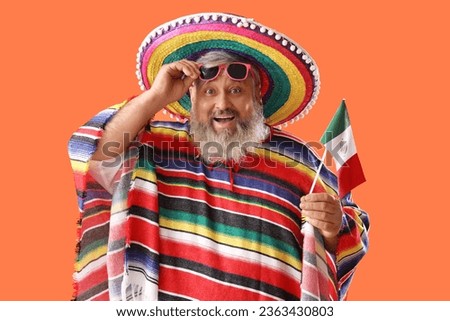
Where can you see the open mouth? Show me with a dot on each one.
(224, 119)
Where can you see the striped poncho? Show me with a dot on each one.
(176, 228)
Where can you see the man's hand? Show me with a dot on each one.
(174, 79)
(324, 212)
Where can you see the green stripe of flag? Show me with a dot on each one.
(337, 125)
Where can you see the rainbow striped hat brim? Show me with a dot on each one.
(289, 76)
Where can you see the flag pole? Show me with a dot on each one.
(318, 171)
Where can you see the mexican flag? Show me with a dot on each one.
(338, 140)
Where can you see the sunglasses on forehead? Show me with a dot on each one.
(236, 71)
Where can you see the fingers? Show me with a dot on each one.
(320, 204)
(173, 80)
(183, 68)
(322, 211)
(320, 197)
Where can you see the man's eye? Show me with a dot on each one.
(209, 91)
(235, 90)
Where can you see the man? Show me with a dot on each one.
(211, 208)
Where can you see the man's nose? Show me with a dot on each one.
(222, 101)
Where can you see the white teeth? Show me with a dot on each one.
(224, 118)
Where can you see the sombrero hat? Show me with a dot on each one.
(289, 76)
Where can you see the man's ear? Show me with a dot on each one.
(191, 88)
(258, 96)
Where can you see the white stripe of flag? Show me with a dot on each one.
(343, 147)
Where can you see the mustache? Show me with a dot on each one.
(224, 112)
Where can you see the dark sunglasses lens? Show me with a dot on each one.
(208, 73)
(237, 71)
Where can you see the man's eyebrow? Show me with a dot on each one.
(200, 83)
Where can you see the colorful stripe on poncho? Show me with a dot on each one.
(176, 228)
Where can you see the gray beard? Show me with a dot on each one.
(227, 145)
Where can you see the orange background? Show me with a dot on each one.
(62, 61)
